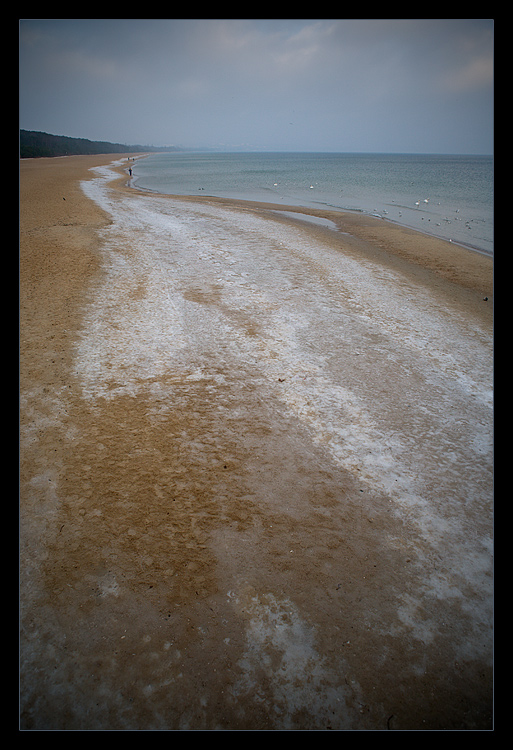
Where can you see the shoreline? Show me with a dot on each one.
(255, 476)
(462, 264)
(305, 209)
(322, 207)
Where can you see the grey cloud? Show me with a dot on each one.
(328, 84)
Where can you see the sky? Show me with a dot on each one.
(339, 85)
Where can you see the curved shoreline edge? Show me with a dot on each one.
(165, 530)
(313, 211)
(385, 240)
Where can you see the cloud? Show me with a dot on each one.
(339, 84)
(473, 75)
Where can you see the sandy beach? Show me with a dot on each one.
(256, 465)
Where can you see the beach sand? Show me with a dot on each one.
(205, 564)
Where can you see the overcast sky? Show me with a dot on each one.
(389, 85)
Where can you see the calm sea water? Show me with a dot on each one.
(447, 196)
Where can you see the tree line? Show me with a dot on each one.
(34, 144)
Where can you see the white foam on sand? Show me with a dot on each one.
(397, 390)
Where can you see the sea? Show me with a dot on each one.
(447, 196)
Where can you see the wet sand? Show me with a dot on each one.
(202, 550)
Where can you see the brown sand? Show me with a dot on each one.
(131, 548)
